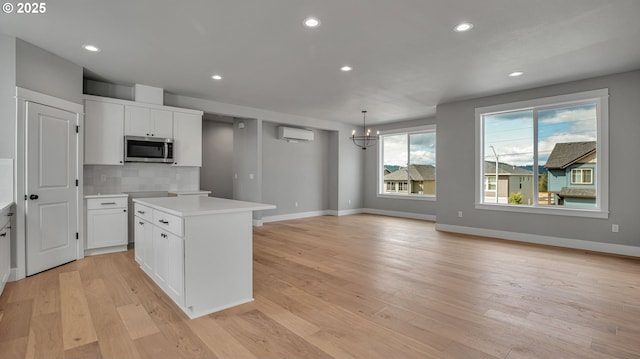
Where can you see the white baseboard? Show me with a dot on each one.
(286, 217)
(424, 217)
(610, 248)
(346, 212)
(13, 275)
(97, 251)
(257, 223)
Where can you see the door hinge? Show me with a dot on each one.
(77, 236)
(77, 129)
(77, 183)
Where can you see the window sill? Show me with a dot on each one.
(572, 212)
(418, 197)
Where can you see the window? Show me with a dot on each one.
(546, 155)
(582, 176)
(407, 163)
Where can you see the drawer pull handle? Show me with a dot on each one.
(3, 234)
(141, 223)
(163, 235)
(141, 212)
(163, 221)
(107, 203)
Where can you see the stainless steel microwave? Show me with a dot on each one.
(148, 149)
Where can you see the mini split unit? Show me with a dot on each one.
(291, 134)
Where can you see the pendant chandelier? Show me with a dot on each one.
(365, 140)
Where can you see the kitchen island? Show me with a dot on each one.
(199, 250)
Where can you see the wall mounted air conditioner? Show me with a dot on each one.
(294, 134)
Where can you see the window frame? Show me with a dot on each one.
(380, 166)
(598, 97)
(582, 171)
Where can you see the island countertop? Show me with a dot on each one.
(198, 205)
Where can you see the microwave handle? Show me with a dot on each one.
(166, 150)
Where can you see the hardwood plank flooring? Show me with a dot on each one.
(360, 286)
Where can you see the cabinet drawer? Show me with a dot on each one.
(106, 203)
(168, 222)
(143, 212)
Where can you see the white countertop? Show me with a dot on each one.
(190, 192)
(115, 195)
(4, 206)
(199, 205)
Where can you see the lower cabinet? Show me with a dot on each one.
(106, 224)
(5, 250)
(144, 244)
(160, 254)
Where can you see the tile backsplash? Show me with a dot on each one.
(140, 177)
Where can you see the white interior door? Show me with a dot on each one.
(51, 170)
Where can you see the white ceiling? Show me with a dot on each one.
(406, 58)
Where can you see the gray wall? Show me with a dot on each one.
(98, 88)
(371, 200)
(295, 172)
(139, 177)
(349, 162)
(246, 152)
(44, 72)
(7, 92)
(456, 154)
(216, 174)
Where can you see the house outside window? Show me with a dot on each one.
(407, 163)
(544, 156)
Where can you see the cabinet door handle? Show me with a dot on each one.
(9, 214)
(3, 234)
(107, 203)
(33, 196)
(141, 223)
(163, 221)
(141, 212)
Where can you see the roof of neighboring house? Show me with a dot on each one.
(574, 192)
(504, 169)
(416, 172)
(564, 155)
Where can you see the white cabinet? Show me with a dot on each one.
(161, 253)
(160, 256)
(175, 268)
(148, 122)
(103, 133)
(106, 224)
(187, 139)
(202, 251)
(144, 238)
(5, 248)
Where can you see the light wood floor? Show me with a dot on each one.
(356, 286)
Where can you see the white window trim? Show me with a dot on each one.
(380, 184)
(601, 98)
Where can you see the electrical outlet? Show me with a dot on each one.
(235, 176)
(251, 176)
(349, 202)
(459, 214)
(615, 228)
(296, 203)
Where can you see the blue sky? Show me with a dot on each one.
(511, 134)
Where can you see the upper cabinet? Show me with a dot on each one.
(108, 120)
(187, 139)
(103, 128)
(148, 122)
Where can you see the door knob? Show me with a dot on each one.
(33, 196)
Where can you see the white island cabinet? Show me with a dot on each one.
(198, 249)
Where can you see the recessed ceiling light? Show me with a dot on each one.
(91, 48)
(345, 68)
(516, 73)
(462, 27)
(216, 77)
(311, 22)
